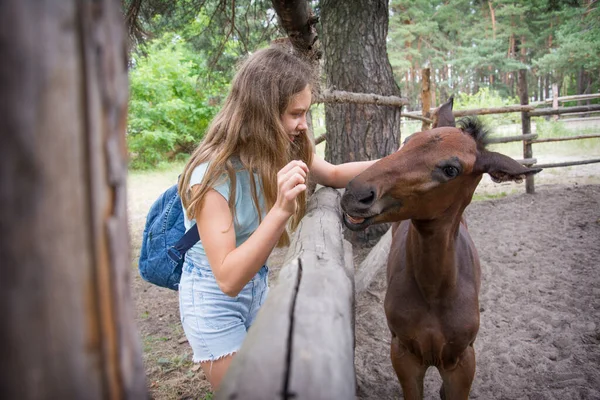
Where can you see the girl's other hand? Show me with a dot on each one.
(290, 183)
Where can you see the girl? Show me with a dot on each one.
(241, 186)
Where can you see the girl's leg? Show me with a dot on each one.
(213, 322)
(215, 370)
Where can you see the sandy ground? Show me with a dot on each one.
(540, 299)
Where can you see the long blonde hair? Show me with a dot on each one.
(249, 127)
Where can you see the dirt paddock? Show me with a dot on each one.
(540, 307)
(540, 302)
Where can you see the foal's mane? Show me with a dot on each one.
(477, 129)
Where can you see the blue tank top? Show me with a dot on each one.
(246, 216)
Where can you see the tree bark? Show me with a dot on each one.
(354, 44)
(355, 60)
(298, 20)
(493, 18)
(426, 96)
(444, 88)
(68, 324)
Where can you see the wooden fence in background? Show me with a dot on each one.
(427, 115)
(527, 112)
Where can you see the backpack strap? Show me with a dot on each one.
(187, 241)
(191, 237)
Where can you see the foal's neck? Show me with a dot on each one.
(431, 254)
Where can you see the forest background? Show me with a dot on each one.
(184, 53)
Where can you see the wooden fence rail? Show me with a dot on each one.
(569, 163)
(562, 139)
(508, 139)
(564, 110)
(527, 111)
(302, 343)
(577, 97)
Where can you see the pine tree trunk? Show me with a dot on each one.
(444, 88)
(68, 324)
(354, 44)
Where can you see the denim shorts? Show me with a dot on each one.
(215, 324)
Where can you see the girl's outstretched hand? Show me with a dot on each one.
(291, 181)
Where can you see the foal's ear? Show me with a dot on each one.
(444, 115)
(502, 168)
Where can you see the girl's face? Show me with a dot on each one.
(294, 116)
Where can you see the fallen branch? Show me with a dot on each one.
(320, 139)
(418, 117)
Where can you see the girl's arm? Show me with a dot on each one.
(336, 176)
(234, 267)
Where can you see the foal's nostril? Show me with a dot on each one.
(367, 198)
(359, 197)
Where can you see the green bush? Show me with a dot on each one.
(171, 101)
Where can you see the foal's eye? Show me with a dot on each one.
(450, 172)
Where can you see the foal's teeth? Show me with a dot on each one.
(355, 220)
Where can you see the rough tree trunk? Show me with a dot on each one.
(68, 325)
(355, 55)
(354, 44)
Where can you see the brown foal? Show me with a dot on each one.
(433, 271)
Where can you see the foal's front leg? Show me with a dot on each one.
(409, 370)
(457, 382)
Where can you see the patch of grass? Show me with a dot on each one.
(489, 196)
(181, 361)
(163, 170)
(176, 329)
(559, 129)
(149, 342)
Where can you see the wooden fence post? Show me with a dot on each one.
(526, 127)
(555, 99)
(68, 326)
(426, 97)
